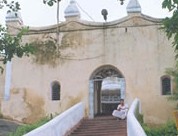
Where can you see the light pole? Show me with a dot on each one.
(57, 34)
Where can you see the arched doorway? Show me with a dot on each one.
(104, 103)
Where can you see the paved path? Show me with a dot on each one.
(7, 126)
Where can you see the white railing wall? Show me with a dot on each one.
(61, 124)
(133, 126)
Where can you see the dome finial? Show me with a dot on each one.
(72, 10)
(12, 16)
(133, 7)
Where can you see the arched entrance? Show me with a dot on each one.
(103, 102)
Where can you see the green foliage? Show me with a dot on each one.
(170, 4)
(12, 5)
(50, 2)
(170, 24)
(21, 130)
(46, 52)
(140, 118)
(11, 46)
(174, 73)
(168, 129)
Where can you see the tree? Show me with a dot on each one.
(174, 73)
(13, 6)
(170, 25)
(51, 3)
(11, 46)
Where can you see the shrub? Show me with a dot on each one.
(21, 130)
(168, 129)
(140, 118)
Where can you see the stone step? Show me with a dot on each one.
(101, 126)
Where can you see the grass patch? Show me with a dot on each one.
(21, 130)
(168, 129)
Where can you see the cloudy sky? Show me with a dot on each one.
(35, 13)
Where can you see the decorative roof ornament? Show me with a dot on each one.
(122, 2)
(104, 12)
(133, 7)
(13, 17)
(72, 10)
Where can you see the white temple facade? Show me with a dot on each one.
(99, 64)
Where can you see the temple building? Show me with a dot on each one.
(96, 63)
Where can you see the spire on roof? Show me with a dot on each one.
(72, 10)
(133, 7)
(12, 16)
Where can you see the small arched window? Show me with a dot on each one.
(166, 85)
(56, 89)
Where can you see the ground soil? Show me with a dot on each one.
(7, 126)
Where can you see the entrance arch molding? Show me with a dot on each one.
(98, 75)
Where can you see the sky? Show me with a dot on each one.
(35, 13)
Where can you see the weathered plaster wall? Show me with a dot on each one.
(24, 105)
(134, 45)
(2, 82)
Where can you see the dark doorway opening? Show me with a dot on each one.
(102, 106)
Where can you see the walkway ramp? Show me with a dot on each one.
(101, 126)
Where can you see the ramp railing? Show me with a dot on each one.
(133, 126)
(61, 124)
